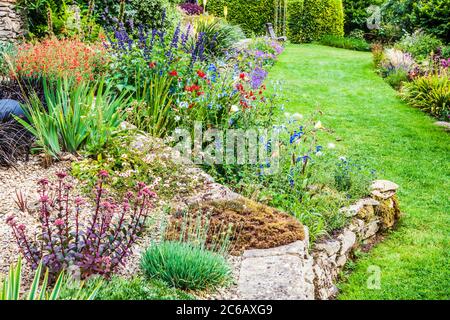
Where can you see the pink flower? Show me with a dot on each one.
(59, 222)
(43, 182)
(103, 174)
(44, 198)
(79, 201)
(10, 220)
(61, 175)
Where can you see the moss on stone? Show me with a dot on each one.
(253, 225)
(389, 212)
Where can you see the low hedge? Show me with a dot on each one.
(251, 15)
(345, 43)
(317, 19)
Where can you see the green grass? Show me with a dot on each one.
(402, 144)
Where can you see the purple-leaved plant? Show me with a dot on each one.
(97, 246)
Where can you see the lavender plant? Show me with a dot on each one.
(97, 246)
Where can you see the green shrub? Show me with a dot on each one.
(419, 44)
(319, 18)
(185, 265)
(136, 288)
(428, 15)
(150, 13)
(74, 117)
(251, 15)
(345, 43)
(396, 78)
(219, 35)
(295, 11)
(430, 93)
(355, 14)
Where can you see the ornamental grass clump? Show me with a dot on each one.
(65, 240)
(185, 265)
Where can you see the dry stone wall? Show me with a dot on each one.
(298, 272)
(11, 26)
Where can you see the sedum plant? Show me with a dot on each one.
(73, 116)
(95, 246)
(11, 287)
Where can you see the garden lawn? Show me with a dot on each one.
(402, 144)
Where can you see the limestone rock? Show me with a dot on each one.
(384, 185)
(330, 247)
(348, 239)
(279, 273)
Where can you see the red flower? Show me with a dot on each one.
(201, 74)
(152, 64)
(200, 93)
(173, 73)
(242, 76)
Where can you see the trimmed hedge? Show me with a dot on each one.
(317, 19)
(295, 11)
(251, 15)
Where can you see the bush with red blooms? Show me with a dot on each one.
(97, 246)
(54, 58)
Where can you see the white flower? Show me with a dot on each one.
(184, 104)
(343, 158)
(297, 116)
(177, 118)
(234, 108)
(319, 153)
(318, 125)
(331, 145)
(287, 114)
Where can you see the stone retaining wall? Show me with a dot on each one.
(296, 272)
(11, 26)
(369, 217)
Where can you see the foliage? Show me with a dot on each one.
(75, 117)
(136, 288)
(295, 11)
(152, 111)
(185, 265)
(191, 9)
(156, 14)
(419, 44)
(396, 78)
(15, 142)
(53, 59)
(395, 60)
(11, 287)
(251, 15)
(430, 93)
(219, 35)
(378, 54)
(6, 49)
(56, 18)
(428, 15)
(356, 14)
(345, 43)
(126, 165)
(106, 240)
(319, 18)
(295, 176)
